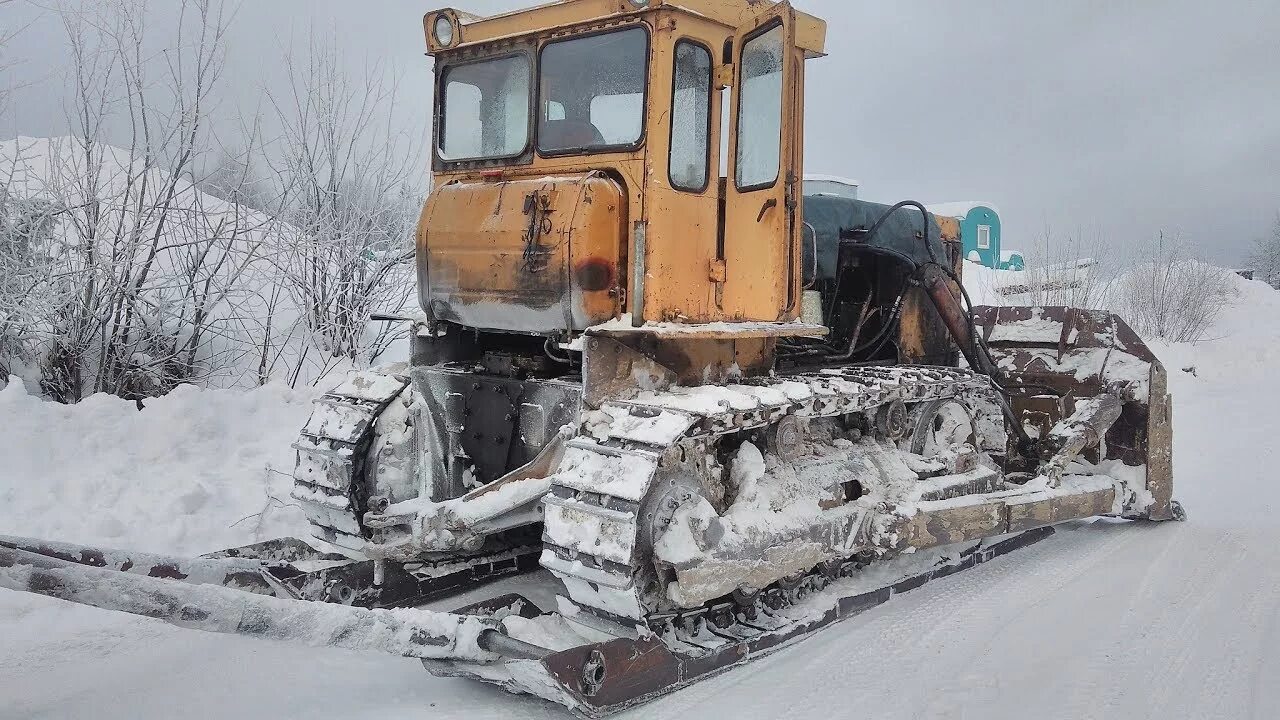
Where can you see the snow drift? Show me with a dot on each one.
(196, 470)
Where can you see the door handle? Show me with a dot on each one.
(770, 203)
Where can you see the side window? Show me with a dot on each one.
(690, 118)
(984, 237)
(484, 110)
(760, 110)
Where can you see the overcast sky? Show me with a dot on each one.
(1115, 119)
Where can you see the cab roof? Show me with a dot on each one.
(473, 29)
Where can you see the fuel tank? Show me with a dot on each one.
(539, 256)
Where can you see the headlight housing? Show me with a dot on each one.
(442, 30)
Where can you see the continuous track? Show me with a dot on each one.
(612, 475)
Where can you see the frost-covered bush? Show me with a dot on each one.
(1265, 259)
(138, 254)
(1171, 296)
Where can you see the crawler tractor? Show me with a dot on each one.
(705, 413)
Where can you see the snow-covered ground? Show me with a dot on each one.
(1105, 619)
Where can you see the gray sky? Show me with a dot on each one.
(1115, 119)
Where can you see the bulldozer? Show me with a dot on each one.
(707, 413)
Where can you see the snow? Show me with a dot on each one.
(960, 210)
(623, 325)
(660, 430)
(196, 470)
(1105, 619)
(245, 289)
(819, 177)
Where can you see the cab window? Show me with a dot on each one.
(760, 110)
(485, 109)
(592, 92)
(690, 117)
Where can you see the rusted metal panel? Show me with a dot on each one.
(923, 337)
(1160, 446)
(1059, 508)
(611, 369)
(930, 528)
(615, 673)
(1074, 328)
(536, 255)
(618, 365)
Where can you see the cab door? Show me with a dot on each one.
(760, 238)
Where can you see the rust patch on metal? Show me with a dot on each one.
(167, 571)
(594, 274)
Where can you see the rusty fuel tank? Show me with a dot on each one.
(541, 256)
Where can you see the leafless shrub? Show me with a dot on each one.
(1074, 269)
(7, 33)
(351, 186)
(1265, 259)
(1172, 296)
(143, 270)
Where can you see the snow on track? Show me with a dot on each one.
(1103, 620)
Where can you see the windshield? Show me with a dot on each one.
(485, 111)
(592, 92)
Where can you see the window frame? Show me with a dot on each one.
(737, 109)
(711, 88)
(442, 72)
(535, 116)
(981, 235)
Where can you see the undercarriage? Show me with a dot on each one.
(683, 528)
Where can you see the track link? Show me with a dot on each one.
(595, 536)
(332, 449)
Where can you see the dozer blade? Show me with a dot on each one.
(1055, 357)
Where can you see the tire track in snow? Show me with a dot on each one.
(1134, 651)
(1220, 654)
(910, 641)
(996, 609)
(1264, 691)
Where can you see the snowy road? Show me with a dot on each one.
(1104, 620)
(1109, 620)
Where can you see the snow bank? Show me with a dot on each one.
(984, 283)
(195, 471)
